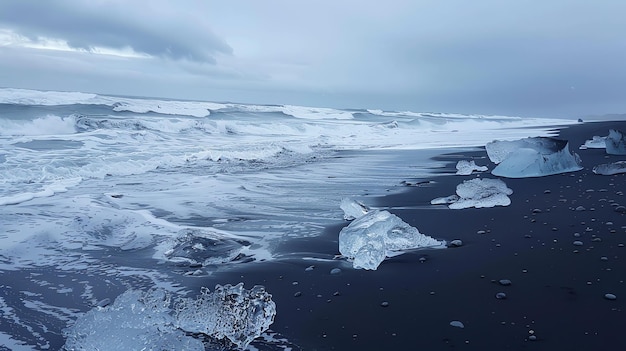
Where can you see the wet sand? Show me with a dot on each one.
(556, 297)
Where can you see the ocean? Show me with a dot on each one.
(100, 194)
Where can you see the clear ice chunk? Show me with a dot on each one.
(464, 167)
(616, 143)
(146, 321)
(352, 209)
(596, 142)
(135, 321)
(610, 168)
(532, 157)
(478, 192)
(198, 247)
(379, 234)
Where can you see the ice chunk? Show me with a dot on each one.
(477, 193)
(616, 143)
(198, 247)
(379, 234)
(596, 142)
(135, 321)
(353, 209)
(465, 167)
(229, 312)
(146, 321)
(610, 168)
(532, 157)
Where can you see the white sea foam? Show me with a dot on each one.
(46, 125)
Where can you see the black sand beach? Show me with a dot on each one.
(556, 297)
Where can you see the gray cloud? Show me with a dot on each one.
(155, 28)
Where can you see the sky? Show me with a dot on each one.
(557, 58)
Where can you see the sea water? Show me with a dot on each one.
(98, 193)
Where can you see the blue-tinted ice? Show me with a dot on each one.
(145, 320)
(369, 239)
(616, 143)
(478, 193)
(532, 157)
(610, 168)
(465, 167)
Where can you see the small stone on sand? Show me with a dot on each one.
(456, 243)
(500, 296)
(335, 271)
(610, 297)
(578, 243)
(457, 324)
(504, 282)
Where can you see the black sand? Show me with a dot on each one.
(556, 299)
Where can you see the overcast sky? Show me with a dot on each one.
(556, 58)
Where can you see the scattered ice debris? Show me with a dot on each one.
(379, 234)
(228, 312)
(596, 142)
(505, 282)
(500, 296)
(532, 157)
(456, 243)
(478, 193)
(201, 248)
(610, 297)
(353, 209)
(445, 200)
(465, 167)
(616, 143)
(146, 321)
(457, 324)
(610, 168)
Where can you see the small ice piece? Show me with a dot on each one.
(379, 234)
(353, 209)
(135, 321)
(532, 157)
(228, 312)
(445, 200)
(457, 324)
(616, 143)
(465, 167)
(610, 168)
(596, 142)
(478, 192)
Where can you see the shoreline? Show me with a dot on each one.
(555, 299)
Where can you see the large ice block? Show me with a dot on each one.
(146, 321)
(610, 168)
(379, 234)
(532, 157)
(478, 192)
(616, 143)
(228, 312)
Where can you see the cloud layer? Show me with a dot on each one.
(557, 58)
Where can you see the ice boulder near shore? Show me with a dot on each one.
(532, 157)
(465, 167)
(616, 143)
(369, 239)
(478, 193)
(610, 168)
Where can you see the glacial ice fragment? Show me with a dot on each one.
(146, 321)
(379, 234)
(478, 192)
(228, 312)
(616, 143)
(198, 247)
(596, 142)
(135, 321)
(465, 167)
(532, 157)
(610, 168)
(352, 209)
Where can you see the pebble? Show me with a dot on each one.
(481, 232)
(620, 209)
(309, 268)
(335, 271)
(536, 210)
(456, 243)
(504, 282)
(580, 208)
(297, 294)
(532, 338)
(384, 304)
(610, 297)
(457, 324)
(578, 243)
(500, 296)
